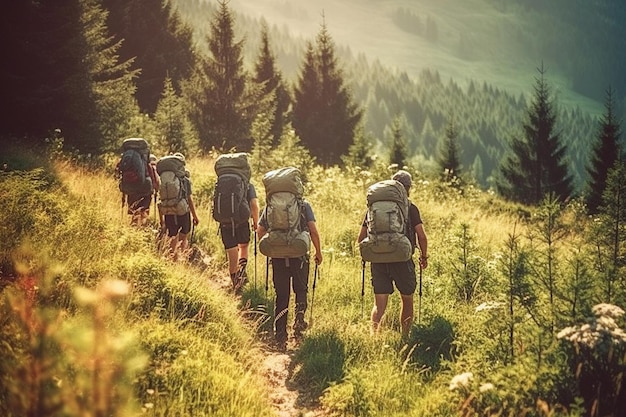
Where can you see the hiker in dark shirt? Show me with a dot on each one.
(400, 274)
(294, 273)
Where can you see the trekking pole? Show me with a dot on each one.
(123, 202)
(193, 233)
(255, 261)
(419, 300)
(267, 273)
(313, 295)
(362, 288)
(155, 207)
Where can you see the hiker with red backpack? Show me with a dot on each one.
(137, 179)
(234, 203)
(389, 234)
(286, 230)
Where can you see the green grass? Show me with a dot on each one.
(93, 297)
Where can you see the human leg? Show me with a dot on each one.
(378, 311)
(383, 287)
(405, 280)
(300, 283)
(406, 314)
(184, 225)
(281, 279)
(243, 243)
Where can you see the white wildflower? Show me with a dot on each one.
(115, 288)
(486, 387)
(461, 380)
(486, 306)
(607, 310)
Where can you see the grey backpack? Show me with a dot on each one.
(387, 224)
(172, 190)
(287, 236)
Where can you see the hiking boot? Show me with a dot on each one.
(280, 343)
(234, 280)
(299, 327)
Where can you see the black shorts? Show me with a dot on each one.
(138, 203)
(178, 224)
(233, 237)
(402, 274)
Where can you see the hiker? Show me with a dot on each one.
(399, 273)
(136, 179)
(176, 206)
(235, 202)
(286, 230)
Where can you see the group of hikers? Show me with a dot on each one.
(286, 229)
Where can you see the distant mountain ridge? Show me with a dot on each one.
(501, 42)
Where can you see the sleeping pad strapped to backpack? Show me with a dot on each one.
(172, 191)
(287, 235)
(230, 202)
(387, 224)
(133, 167)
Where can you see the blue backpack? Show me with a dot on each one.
(133, 167)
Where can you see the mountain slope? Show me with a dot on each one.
(500, 43)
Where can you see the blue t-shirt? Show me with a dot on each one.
(251, 193)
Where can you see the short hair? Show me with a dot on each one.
(403, 177)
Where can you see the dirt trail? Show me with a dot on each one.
(286, 397)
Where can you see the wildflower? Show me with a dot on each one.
(115, 288)
(461, 380)
(607, 310)
(488, 306)
(486, 387)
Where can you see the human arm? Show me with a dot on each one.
(315, 239)
(254, 212)
(192, 209)
(261, 231)
(422, 241)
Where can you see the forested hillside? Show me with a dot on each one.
(463, 76)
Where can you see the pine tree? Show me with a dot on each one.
(449, 153)
(536, 166)
(173, 126)
(324, 116)
(273, 87)
(66, 74)
(399, 150)
(111, 82)
(606, 152)
(220, 103)
(609, 234)
(159, 42)
(360, 153)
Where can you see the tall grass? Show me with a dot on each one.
(168, 343)
(177, 345)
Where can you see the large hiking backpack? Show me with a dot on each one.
(230, 199)
(387, 224)
(172, 191)
(133, 167)
(287, 236)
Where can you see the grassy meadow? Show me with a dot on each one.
(96, 322)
